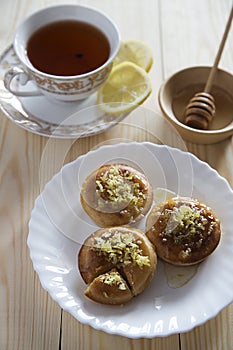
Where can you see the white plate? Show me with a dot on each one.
(170, 304)
(43, 117)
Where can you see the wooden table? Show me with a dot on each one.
(181, 34)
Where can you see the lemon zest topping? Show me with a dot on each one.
(185, 253)
(185, 222)
(121, 249)
(120, 187)
(113, 278)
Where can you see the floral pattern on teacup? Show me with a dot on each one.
(74, 85)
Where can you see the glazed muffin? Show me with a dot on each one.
(183, 230)
(117, 263)
(116, 194)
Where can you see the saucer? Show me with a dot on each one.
(41, 116)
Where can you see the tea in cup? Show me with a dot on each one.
(67, 51)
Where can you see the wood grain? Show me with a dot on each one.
(180, 33)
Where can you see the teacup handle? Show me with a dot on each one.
(23, 79)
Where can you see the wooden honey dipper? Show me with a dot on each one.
(201, 108)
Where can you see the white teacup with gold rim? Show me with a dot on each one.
(67, 51)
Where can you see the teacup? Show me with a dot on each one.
(69, 87)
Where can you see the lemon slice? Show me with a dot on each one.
(127, 87)
(135, 51)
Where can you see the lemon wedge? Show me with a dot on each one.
(127, 86)
(135, 51)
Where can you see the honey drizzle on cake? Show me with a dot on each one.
(186, 223)
(183, 230)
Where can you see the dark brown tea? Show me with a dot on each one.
(68, 48)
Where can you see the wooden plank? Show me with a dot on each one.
(213, 335)
(77, 336)
(26, 309)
